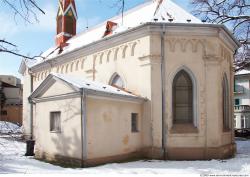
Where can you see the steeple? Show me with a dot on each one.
(66, 21)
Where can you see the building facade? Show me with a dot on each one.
(12, 91)
(159, 86)
(242, 99)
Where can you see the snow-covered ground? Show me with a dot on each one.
(7, 127)
(12, 160)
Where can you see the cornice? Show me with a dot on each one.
(171, 29)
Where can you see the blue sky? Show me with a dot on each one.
(32, 39)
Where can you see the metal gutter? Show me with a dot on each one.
(56, 97)
(31, 107)
(113, 95)
(164, 137)
(84, 151)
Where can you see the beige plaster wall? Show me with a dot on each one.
(109, 128)
(201, 56)
(58, 88)
(66, 143)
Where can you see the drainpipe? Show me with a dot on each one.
(83, 129)
(30, 143)
(31, 107)
(164, 131)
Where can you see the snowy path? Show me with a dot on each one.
(13, 161)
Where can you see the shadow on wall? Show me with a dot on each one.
(67, 146)
(67, 142)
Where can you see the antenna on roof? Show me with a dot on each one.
(87, 23)
(123, 5)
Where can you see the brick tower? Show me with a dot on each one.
(66, 21)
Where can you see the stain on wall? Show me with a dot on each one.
(125, 140)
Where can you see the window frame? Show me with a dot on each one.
(174, 99)
(54, 129)
(113, 78)
(195, 122)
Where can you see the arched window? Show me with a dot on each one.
(117, 81)
(225, 102)
(183, 111)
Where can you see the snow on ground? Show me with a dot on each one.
(8, 127)
(12, 160)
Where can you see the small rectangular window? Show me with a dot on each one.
(237, 101)
(55, 121)
(134, 122)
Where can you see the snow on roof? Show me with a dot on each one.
(92, 85)
(242, 72)
(147, 12)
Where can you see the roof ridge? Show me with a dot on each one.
(116, 17)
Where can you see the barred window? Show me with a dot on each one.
(182, 98)
(134, 122)
(55, 121)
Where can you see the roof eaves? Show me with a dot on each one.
(113, 95)
(139, 27)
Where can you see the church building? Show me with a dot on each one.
(153, 83)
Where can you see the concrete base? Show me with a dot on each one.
(223, 152)
(173, 153)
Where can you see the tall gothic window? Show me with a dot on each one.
(225, 102)
(182, 98)
(117, 81)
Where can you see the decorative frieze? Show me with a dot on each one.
(183, 44)
(122, 51)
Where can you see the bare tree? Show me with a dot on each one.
(26, 10)
(235, 14)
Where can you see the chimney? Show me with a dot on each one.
(66, 21)
(109, 28)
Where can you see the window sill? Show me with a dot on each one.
(183, 128)
(55, 132)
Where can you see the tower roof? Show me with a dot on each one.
(65, 3)
(65, 6)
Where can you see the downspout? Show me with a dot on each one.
(31, 107)
(164, 137)
(83, 129)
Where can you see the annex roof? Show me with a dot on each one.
(88, 87)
